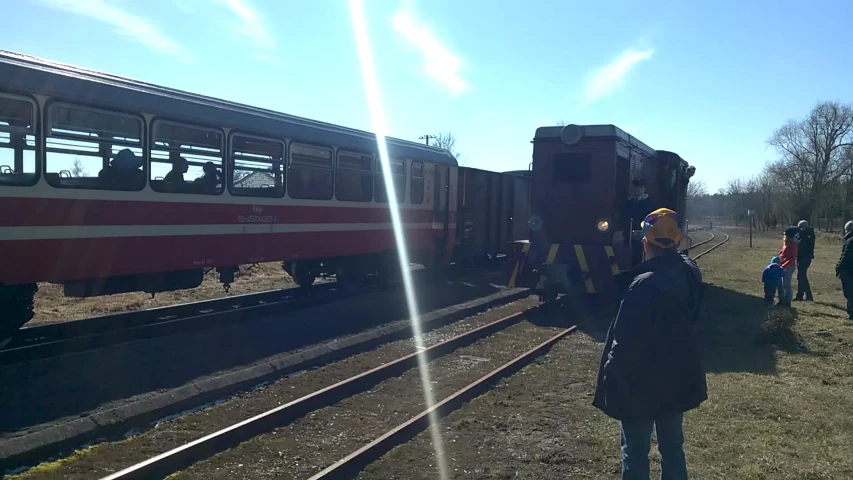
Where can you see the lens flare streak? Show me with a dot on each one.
(371, 87)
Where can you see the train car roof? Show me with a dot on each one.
(594, 131)
(519, 173)
(28, 73)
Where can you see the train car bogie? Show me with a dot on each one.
(303, 272)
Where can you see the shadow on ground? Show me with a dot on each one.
(60, 389)
(834, 306)
(591, 315)
(739, 333)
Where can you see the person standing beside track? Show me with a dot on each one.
(805, 254)
(637, 206)
(650, 371)
(844, 267)
(788, 254)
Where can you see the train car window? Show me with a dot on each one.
(416, 186)
(572, 167)
(354, 177)
(256, 167)
(398, 176)
(93, 148)
(17, 141)
(186, 159)
(310, 174)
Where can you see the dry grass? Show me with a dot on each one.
(780, 393)
(53, 306)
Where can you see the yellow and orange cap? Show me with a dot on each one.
(662, 228)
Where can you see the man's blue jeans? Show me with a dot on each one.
(636, 443)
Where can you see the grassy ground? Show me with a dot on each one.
(780, 392)
(53, 306)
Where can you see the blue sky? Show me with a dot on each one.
(708, 80)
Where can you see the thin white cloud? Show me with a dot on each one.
(135, 27)
(187, 6)
(439, 62)
(606, 79)
(250, 24)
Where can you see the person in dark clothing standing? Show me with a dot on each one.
(638, 206)
(805, 254)
(650, 371)
(844, 268)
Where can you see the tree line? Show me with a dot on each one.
(812, 179)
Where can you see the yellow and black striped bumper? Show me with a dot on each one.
(591, 265)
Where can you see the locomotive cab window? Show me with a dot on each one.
(186, 159)
(573, 167)
(354, 177)
(398, 176)
(93, 148)
(416, 186)
(310, 174)
(257, 167)
(17, 141)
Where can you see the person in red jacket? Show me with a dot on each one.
(788, 255)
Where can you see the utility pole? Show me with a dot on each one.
(749, 217)
(426, 137)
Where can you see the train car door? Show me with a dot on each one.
(441, 207)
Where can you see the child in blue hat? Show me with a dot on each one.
(772, 279)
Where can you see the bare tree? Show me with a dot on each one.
(696, 188)
(77, 169)
(447, 141)
(814, 153)
(560, 123)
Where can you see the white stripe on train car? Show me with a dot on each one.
(43, 190)
(116, 231)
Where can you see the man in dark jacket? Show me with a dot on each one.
(650, 371)
(844, 268)
(805, 254)
(637, 207)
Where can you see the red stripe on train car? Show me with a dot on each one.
(27, 212)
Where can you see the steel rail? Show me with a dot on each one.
(351, 465)
(87, 336)
(717, 245)
(45, 341)
(182, 457)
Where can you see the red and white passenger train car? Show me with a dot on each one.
(111, 185)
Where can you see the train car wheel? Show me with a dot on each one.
(390, 273)
(16, 309)
(350, 277)
(303, 274)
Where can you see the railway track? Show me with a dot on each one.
(492, 336)
(55, 339)
(45, 341)
(348, 467)
(714, 247)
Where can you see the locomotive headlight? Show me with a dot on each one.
(535, 223)
(603, 225)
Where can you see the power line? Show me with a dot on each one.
(427, 137)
